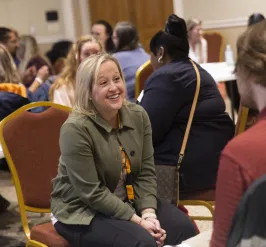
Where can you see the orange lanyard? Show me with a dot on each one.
(128, 181)
(127, 167)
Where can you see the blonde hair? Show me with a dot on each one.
(8, 70)
(251, 52)
(86, 77)
(29, 44)
(191, 23)
(68, 75)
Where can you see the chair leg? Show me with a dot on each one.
(207, 204)
(33, 243)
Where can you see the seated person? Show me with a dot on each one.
(243, 159)
(105, 191)
(168, 96)
(103, 31)
(30, 59)
(10, 40)
(129, 54)
(13, 95)
(62, 91)
(57, 56)
(198, 46)
(255, 18)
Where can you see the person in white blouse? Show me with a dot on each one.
(62, 91)
(198, 45)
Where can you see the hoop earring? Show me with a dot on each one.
(160, 60)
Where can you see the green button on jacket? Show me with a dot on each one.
(90, 166)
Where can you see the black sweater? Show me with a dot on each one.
(168, 96)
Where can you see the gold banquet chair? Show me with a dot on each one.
(216, 46)
(204, 198)
(30, 143)
(242, 120)
(142, 74)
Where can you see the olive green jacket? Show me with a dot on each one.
(90, 166)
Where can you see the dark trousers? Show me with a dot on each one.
(104, 231)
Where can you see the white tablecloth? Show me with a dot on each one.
(220, 71)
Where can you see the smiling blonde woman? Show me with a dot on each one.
(105, 190)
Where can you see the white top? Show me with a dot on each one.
(64, 96)
(200, 55)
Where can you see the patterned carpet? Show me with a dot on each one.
(11, 232)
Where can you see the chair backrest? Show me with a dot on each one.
(215, 43)
(142, 75)
(31, 146)
(241, 120)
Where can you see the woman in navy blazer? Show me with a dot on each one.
(168, 96)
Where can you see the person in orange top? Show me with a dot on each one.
(243, 159)
(13, 94)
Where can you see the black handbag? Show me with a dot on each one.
(168, 176)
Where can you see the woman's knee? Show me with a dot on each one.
(139, 239)
(189, 230)
(178, 225)
(146, 240)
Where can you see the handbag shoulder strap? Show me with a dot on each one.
(191, 115)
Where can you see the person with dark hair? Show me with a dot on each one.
(30, 59)
(255, 18)
(129, 54)
(168, 96)
(57, 55)
(9, 39)
(103, 31)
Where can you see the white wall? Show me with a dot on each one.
(178, 7)
(222, 13)
(28, 17)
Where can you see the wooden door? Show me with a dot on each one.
(149, 16)
(112, 11)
